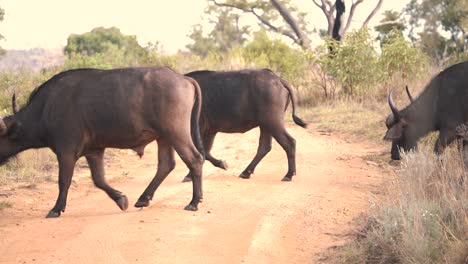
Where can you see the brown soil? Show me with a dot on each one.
(260, 220)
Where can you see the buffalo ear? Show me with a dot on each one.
(395, 132)
(13, 129)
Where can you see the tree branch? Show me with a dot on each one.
(274, 28)
(291, 22)
(298, 37)
(319, 6)
(230, 5)
(350, 16)
(374, 11)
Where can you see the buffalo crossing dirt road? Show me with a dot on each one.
(260, 220)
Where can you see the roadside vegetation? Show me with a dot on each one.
(422, 216)
(342, 87)
(5, 204)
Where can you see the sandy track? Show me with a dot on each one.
(261, 220)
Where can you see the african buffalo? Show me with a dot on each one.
(81, 112)
(236, 102)
(442, 106)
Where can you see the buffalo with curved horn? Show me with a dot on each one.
(84, 111)
(442, 106)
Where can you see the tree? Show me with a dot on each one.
(389, 25)
(283, 17)
(438, 18)
(2, 14)
(226, 34)
(276, 55)
(101, 40)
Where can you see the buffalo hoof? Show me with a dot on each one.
(122, 202)
(53, 214)
(190, 207)
(142, 203)
(245, 175)
(187, 179)
(222, 164)
(286, 178)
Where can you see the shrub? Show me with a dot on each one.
(425, 217)
(400, 59)
(354, 62)
(276, 55)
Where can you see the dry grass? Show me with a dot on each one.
(424, 218)
(361, 120)
(5, 204)
(31, 166)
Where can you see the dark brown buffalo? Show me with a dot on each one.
(236, 102)
(442, 106)
(81, 112)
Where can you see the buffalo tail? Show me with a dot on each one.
(296, 119)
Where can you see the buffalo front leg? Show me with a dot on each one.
(96, 165)
(66, 167)
(166, 163)
(264, 146)
(465, 161)
(208, 140)
(445, 138)
(465, 153)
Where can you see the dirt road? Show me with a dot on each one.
(260, 220)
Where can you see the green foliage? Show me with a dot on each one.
(276, 55)
(111, 58)
(21, 83)
(400, 58)
(359, 69)
(225, 35)
(354, 63)
(201, 45)
(2, 15)
(436, 16)
(424, 220)
(389, 25)
(5, 204)
(100, 40)
(103, 48)
(155, 57)
(457, 58)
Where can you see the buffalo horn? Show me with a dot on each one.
(13, 103)
(409, 94)
(394, 109)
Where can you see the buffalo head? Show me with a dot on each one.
(400, 129)
(9, 142)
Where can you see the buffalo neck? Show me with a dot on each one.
(29, 130)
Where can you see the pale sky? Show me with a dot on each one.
(48, 23)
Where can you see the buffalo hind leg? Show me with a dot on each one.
(166, 163)
(194, 161)
(288, 143)
(208, 143)
(66, 167)
(96, 165)
(264, 146)
(208, 140)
